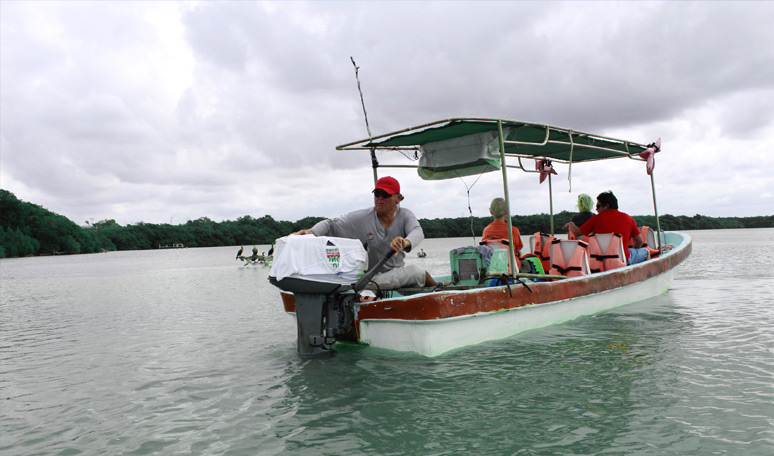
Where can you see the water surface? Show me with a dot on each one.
(187, 352)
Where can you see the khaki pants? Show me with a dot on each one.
(407, 276)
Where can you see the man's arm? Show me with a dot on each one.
(573, 229)
(323, 228)
(328, 227)
(412, 228)
(319, 229)
(399, 243)
(637, 241)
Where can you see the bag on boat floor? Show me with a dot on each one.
(319, 259)
(470, 265)
(533, 263)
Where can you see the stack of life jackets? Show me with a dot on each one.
(541, 247)
(595, 253)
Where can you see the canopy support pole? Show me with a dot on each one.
(511, 257)
(374, 165)
(655, 209)
(551, 203)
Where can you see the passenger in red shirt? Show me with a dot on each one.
(498, 229)
(610, 220)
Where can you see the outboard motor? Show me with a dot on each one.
(320, 272)
(319, 313)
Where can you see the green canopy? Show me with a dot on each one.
(522, 139)
(469, 146)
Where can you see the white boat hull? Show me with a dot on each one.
(436, 337)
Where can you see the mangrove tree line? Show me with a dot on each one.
(29, 229)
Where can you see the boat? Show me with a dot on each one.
(173, 246)
(490, 305)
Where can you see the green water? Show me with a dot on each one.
(186, 352)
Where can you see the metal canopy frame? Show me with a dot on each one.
(526, 140)
(520, 140)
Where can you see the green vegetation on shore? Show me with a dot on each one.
(28, 229)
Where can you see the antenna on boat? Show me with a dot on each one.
(467, 188)
(374, 162)
(362, 102)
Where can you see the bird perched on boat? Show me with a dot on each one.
(271, 250)
(241, 249)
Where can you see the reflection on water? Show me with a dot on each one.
(187, 352)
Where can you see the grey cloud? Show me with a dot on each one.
(272, 92)
(646, 63)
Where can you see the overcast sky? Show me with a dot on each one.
(164, 112)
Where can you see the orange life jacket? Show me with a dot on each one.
(542, 248)
(569, 258)
(652, 247)
(646, 231)
(612, 257)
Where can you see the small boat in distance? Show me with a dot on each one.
(173, 246)
(484, 299)
(421, 253)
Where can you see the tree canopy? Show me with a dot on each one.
(28, 229)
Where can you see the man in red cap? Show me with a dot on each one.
(385, 227)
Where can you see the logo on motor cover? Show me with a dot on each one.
(333, 254)
(334, 257)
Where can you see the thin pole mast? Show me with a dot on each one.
(655, 209)
(551, 203)
(374, 162)
(511, 256)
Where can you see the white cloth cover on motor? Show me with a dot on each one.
(319, 259)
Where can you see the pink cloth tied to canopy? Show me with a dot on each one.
(649, 155)
(545, 168)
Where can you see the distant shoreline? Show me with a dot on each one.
(28, 229)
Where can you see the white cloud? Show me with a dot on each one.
(151, 111)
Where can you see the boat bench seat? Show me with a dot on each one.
(569, 257)
(602, 255)
(650, 239)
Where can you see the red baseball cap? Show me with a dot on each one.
(388, 184)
